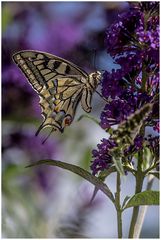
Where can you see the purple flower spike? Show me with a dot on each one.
(103, 159)
(133, 43)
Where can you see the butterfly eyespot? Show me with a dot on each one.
(68, 121)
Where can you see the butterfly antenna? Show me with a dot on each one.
(47, 136)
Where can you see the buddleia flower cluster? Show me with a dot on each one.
(133, 43)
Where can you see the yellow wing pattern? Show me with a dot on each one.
(60, 85)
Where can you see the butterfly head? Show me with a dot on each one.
(94, 79)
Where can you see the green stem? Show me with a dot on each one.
(118, 206)
(143, 209)
(139, 183)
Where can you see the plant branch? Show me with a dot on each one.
(143, 209)
(118, 206)
(139, 183)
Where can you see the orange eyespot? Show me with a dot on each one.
(68, 121)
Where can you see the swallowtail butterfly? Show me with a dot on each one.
(60, 84)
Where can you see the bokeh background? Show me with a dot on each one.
(47, 202)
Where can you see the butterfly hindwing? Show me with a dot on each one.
(59, 84)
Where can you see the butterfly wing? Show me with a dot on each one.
(58, 83)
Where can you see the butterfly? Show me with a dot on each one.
(60, 84)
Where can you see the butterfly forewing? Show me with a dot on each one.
(59, 83)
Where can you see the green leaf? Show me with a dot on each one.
(147, 158)
(143, 198)
(94, 193)
(125, 200)
(102, 176)
(81, 172)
